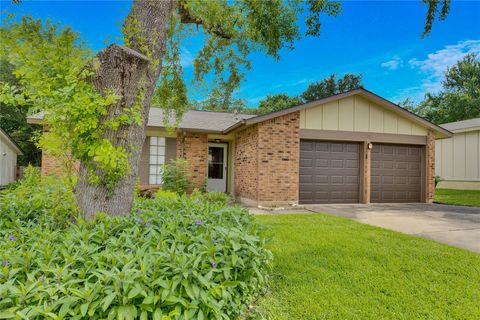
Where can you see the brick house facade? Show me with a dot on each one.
(312, 152)
(194, 148)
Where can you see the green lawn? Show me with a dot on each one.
(458, 197)
(327, 267)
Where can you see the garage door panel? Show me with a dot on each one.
(395, 173)
(333, 172)
(321, 163)
(351, 164)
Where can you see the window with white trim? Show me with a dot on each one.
(157, 159)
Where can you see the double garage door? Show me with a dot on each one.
(330, 172)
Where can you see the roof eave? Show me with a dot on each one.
(444, 133)
(12, 142)
(235, 126)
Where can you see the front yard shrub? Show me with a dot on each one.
(220, 198)
(37, 200)
(174, 257)
(175, 176)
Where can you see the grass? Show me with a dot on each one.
(327, 267)
(458, 197)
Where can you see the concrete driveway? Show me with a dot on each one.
(455, 225)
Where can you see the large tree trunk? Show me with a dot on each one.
(129, 73)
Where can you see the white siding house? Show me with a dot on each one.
(458, 158)
(9, 151)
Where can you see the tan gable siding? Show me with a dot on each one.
(357, 114)
(458, 158)
(8, 162)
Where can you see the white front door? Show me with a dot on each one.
(217, 167)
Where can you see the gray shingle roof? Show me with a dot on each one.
(203, 121)
(210, 121)
(464, 125)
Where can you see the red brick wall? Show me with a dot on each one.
(430, 163)
(59, 165)
(279, 159)
(267, 159)
(246, 163)
(194, 148)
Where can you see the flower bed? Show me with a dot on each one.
(174, 257)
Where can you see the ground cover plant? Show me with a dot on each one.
(458, 197)
(173, 257)
(327, 267)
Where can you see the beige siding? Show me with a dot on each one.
(8, 162)
(357, 114)
(330, 116)
(458, 158)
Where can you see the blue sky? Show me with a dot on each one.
(380, 39)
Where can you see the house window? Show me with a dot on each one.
(157, 159)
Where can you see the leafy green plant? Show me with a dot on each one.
(35, 200)
(166, 195)
(438, 179)
(174, 257)
(175, 176)
(214, 197)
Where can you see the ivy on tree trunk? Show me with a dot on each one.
(131, 74)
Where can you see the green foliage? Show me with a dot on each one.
(173, 258)
(230, 31)
(277, 102)
(315, 91)
(432, 11)
(13, 121)
(331, 86)
(175, 176)
(438, 179)
(215, 197)
(49, 64)
(216, 101)
(166, 195)
(459, 98)
(36, 200)
(171, 90)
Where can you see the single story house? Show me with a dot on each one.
(458, 157)
(9, 150)
(354, 147)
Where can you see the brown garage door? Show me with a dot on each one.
(329, 172)
(396, 173)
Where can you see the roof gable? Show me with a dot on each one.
(225, 122)
(390, 106)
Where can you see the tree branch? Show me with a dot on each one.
(186, 18)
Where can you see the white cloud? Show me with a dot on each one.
(393, 64)
(435, 65)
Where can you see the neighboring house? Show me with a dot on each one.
(9, 150)
(458, 158)
(354, 147)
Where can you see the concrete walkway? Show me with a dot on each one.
(455, 225)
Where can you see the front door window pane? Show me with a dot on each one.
(215, 162)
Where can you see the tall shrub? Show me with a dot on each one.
(175, 176)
